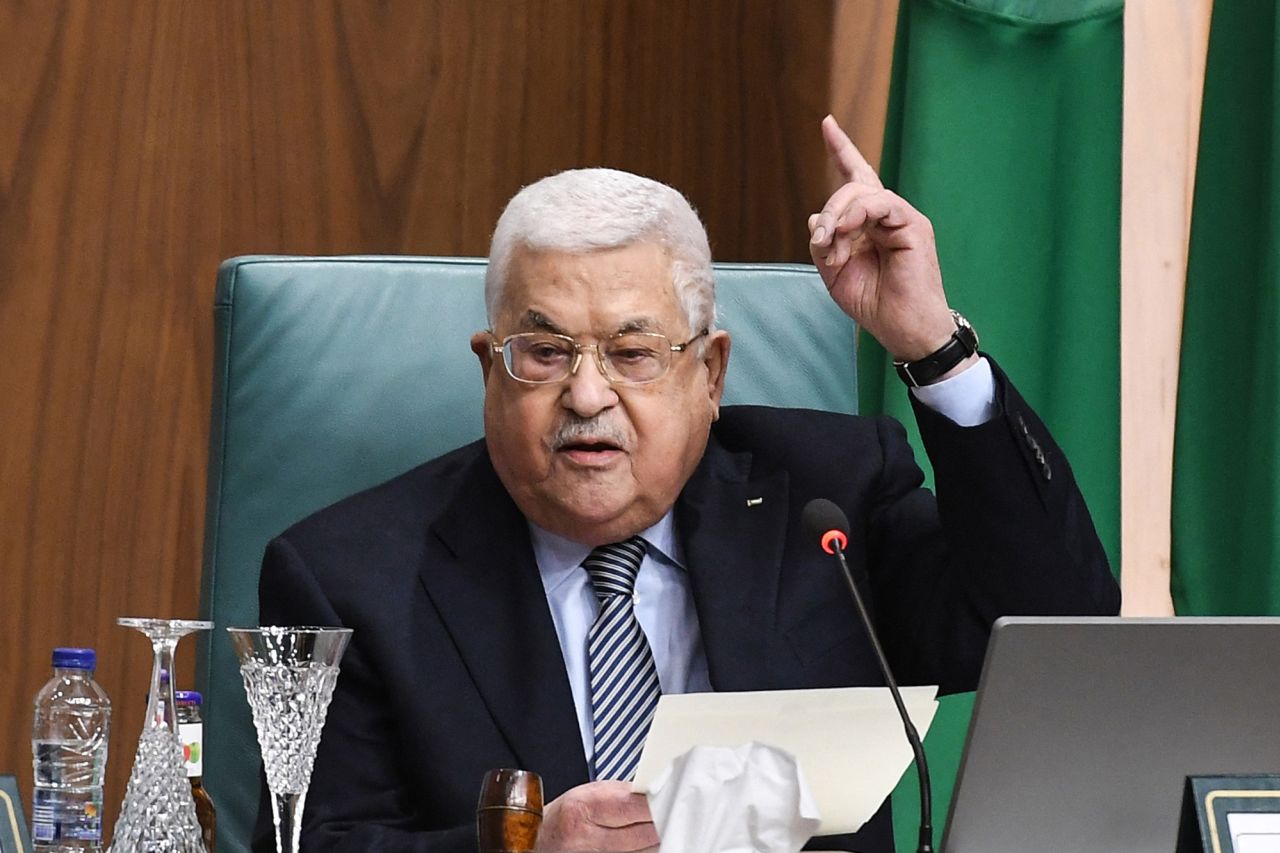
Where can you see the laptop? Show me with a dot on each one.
(1085, 729)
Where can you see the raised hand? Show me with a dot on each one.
(877, 256)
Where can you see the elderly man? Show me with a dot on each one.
(522, 601)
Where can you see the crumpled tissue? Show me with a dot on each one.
(747, 799)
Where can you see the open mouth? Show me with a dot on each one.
(590, 451)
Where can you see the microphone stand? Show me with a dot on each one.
(925, 844)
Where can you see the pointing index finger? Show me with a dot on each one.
(848, 159)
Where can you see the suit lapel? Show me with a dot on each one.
(482, 578)
(733, 526)
(485, 585)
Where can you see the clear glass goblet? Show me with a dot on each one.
(289, 675)
(159, 813)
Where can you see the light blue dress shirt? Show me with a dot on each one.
(663, 597)
(664, 606)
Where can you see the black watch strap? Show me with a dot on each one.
(963, 343)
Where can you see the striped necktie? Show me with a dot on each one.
(624, 679)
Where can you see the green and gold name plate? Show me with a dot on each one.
(14, 837)
(1230, 814)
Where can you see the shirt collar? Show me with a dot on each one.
(559, 558)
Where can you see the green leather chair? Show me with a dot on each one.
(333, 374)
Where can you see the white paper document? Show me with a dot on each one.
(1254, 832)
(848, 741)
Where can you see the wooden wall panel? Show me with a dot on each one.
(141, 141)
(861, 62)
(101, 388)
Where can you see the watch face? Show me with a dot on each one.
(967, 335)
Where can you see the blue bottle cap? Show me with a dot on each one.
(75, 659)
(187, 697)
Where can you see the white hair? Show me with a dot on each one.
(584, 210)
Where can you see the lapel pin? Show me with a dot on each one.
(754, 501)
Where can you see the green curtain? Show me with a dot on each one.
(1004, 128)
(1226, 471)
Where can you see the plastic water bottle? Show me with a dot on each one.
(69, 755)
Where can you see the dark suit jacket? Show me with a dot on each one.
(455, 667)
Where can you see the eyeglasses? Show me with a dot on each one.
(628, 358)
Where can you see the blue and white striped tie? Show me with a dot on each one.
(624, 679)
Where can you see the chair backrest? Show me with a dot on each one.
(333, 374)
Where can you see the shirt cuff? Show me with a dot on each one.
(968, 398)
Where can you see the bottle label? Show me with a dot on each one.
(192, 737)
(56, 815)
(44, 823)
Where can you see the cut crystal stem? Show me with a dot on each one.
(160, 701)
(286, 811)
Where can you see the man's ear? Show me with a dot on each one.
(481, 346)
(715, 356)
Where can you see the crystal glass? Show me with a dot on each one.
(159, 813)
(289, 675)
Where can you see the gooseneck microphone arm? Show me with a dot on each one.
(830, 527)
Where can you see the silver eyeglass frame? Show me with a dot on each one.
(499, 350)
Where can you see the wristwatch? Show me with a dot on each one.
(963, 343)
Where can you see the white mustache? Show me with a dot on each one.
(577, 431)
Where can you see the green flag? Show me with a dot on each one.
(1004, 129)
(1226, 487)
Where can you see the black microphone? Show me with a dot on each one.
(827, 524)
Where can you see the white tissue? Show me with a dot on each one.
(747, 799)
